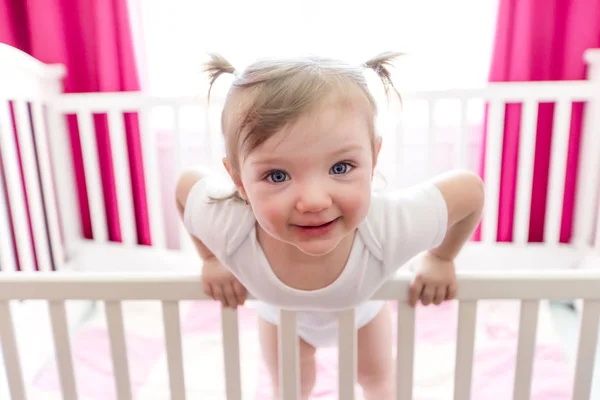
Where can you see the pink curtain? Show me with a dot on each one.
(93, 40)
(540, 40)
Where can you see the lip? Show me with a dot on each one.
(317, 230)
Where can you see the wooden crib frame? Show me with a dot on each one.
(91, 270)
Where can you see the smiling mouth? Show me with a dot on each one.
(315, 227)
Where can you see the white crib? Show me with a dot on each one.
(76, 274)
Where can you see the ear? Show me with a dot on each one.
(227, 166)
(237, 180)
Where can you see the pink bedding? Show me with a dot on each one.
(495, 351)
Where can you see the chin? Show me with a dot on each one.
(316, 252)
(318, 248)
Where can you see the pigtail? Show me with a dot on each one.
(381, 64)
(217, 66)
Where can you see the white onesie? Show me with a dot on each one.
(398, 226)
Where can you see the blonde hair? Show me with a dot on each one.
(273, 93)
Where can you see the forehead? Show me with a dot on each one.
(326, 129)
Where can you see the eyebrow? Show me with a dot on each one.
(278, 160)
(348, 149)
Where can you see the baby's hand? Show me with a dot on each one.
(220, 284)
(435, 280)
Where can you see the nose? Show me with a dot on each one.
(313, 197)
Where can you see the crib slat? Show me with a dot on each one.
(62, 345)
(8, 262)
(405, 351)
(185, 241)
(461, 152)
(32, 185)
(215, 139)
(152, 180)
(93, 179)
(588, 176)
(586, 352)
(430, 142)
(16, 197)
(178, 138)
(465, 342)
(558, 170)
(41, 143)
(172, 324)
(231, 353)
(387, 158)
(10, 351)
(597, 242)
(289, 356)
(347, 354)
(63, 167)
(116, 332)
(390, 157)
(493, 157)
(120, 158)
(525, 170)
(525, 349)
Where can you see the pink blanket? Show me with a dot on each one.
(495, 350)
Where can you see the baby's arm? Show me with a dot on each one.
(217, 281)
(435, 279)
(186, 181)
(428, 225)
(463, 192)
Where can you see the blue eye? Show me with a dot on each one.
(340, 168)
(277, 176)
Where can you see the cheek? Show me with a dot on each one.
(271, 213)
(268, 211)
(355, 203)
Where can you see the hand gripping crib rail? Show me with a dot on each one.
(42, 237)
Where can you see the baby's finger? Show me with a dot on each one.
(427, 295)
(229, 294)
(240, 292)
(451, 292)
(207, 288)
(218, 293)
(440, 295)
(414, 291)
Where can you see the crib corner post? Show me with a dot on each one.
(587, 206)
(592, 59)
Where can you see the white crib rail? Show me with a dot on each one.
(529, 288)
